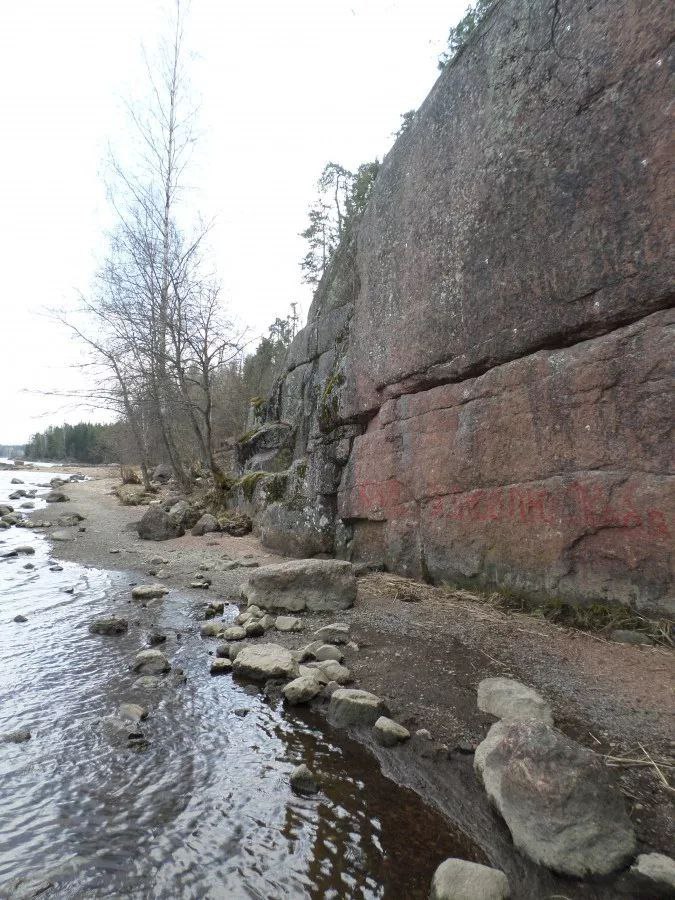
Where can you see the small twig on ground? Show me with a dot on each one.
(661, 775)
(491, 658)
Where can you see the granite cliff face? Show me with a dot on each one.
(481, 393)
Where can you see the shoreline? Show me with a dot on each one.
(425, 659)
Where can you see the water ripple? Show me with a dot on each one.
(205, 811)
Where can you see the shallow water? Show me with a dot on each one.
(205, 810)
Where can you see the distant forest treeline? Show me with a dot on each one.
(87, 442)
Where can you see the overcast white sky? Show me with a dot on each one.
(285, 86)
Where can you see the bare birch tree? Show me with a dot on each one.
(161, 334)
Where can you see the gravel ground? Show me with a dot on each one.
(426, 659)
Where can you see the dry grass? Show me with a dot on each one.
(633, 759)
(596, 619)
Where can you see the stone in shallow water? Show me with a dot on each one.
(134, 712)
(149, 591)
(123, 732)
(506, 698)
(147, 683)
(211, 629)
(110, 626)
(555, 798)
(20, 736)
(303, 780)
(25, 888)
(302, 689)
(151, 662)
(221, 666)
(458, 879)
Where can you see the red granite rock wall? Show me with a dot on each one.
(546, 475)
(483, 393)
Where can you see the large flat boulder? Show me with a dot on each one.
(314, 584)
(555, 798)
(265, 661)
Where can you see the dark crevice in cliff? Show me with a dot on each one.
(418, 382)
